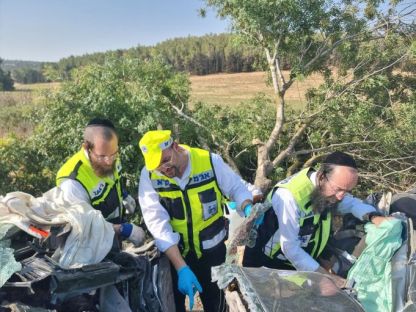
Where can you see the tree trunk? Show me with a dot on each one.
(264, 166)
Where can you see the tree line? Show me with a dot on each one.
(203, 55)
(209, 54)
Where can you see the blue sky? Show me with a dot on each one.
(47, 30)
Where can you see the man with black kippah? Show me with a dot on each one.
(92, 175)
(294, 233)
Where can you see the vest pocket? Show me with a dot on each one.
(214, 234)
(111, 204)
(308, 227)
(208, 200)
(174, 207)
(307, 233)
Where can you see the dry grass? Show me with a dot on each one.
(219, 89)
(36, 86)
(17, 106)
(232, 89)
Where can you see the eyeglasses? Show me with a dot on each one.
(101, 158)
(168, 163)
(336, 189)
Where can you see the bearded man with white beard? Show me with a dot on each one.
(295, 232)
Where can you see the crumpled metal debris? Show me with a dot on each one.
(246, 233)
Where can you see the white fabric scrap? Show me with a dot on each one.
(91, 237)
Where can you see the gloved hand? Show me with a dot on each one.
(188, 284)
(247, 212)
(129, 203)
(232, 205)
(132, 233)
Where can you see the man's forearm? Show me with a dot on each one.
(175, 257)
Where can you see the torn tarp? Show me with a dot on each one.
(91, 236)
(372, 271)
(267, 290)
(8, 265)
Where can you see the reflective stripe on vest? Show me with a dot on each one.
(105, 193)
(195, 212)
(314, 228)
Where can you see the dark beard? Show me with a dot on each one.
(321, 203)
(103, 171)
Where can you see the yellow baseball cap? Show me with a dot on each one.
(152, 145)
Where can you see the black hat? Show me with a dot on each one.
(340, 159)
(101, 122)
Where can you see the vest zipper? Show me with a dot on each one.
(189, 222)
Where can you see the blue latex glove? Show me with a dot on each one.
(259, 220)
(188, 284)
(247, 210)
(232, 205)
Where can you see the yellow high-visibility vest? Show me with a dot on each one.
(195, 212)
(314, 228)
(105, 192)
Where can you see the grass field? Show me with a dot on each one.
(16, 107)
(220, 89)
(232, 89)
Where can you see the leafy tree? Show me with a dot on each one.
(27, 75)
(367, 42)
(50, 72)
(136, 96)
(6, 81)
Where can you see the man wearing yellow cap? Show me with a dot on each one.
(181, 192)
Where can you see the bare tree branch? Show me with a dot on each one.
(329, 147)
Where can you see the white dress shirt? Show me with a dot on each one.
(157, 218)
(74, 192)
(288, 214)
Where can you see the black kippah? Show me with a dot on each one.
(340, 159)
(101, 122)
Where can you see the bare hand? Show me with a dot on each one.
(377, 220)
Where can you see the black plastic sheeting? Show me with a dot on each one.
(142, 278)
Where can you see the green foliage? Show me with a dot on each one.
(6, 81)
(21, 168)
(27, 75)
(378, 111)
(195, 55)
(236, 127)
(358, 108)
(136, 96)
(366, 105)
(51, 72)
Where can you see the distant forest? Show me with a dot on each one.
(209, 54)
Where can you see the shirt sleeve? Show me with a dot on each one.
(254, 190)
(155, 215)
(351, 204)
(229, 182)
(74, 192)
(288, 215)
